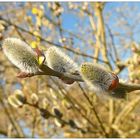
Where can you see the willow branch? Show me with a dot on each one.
(48, 71)
(122, 87)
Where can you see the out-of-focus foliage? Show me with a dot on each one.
(46, 107)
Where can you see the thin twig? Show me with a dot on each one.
(94, 110)
(113, 42)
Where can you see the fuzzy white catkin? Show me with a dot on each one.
(59, 61)
(20, 54)
(97, 78)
